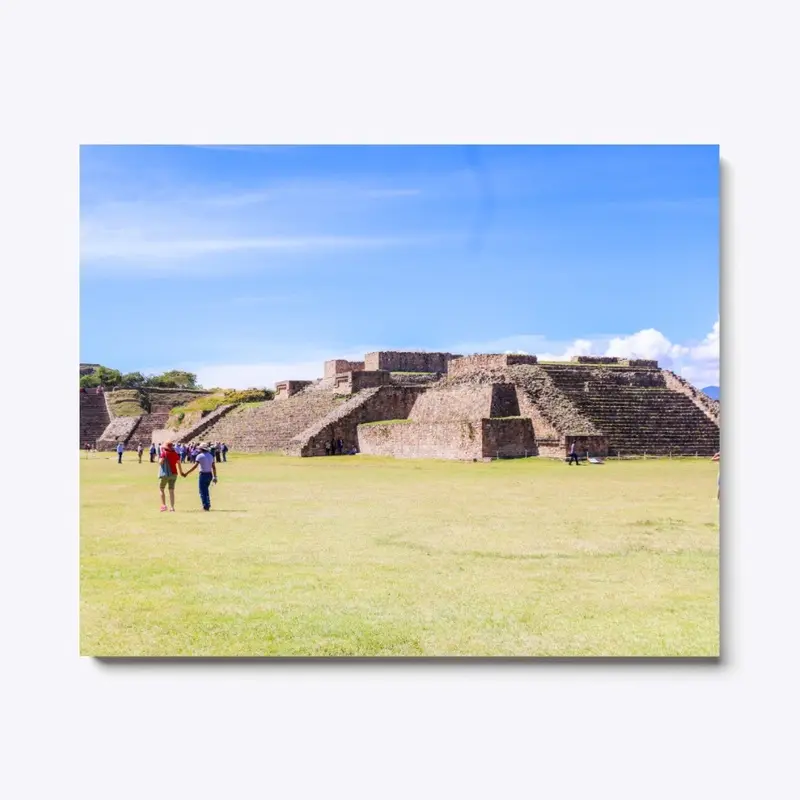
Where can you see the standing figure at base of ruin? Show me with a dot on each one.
(573, 454)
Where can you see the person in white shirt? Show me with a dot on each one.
(208, 473)
(573, 456)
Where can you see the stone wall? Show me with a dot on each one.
(466, 365)
(461, 440)
(447, 404)
(394, 361)
(543, 428)
(596, 360)
(338, 365)
(504, 400)
(508, 438)
(625, 362)
(370, 405)
(352, 382)
(414, 379)
(284, 389)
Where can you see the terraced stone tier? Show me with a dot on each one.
(637, 413)
(370, 405)
(271, 425)
(93, 418)
(155, 420)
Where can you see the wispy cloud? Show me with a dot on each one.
(156, 224)
(150, 251)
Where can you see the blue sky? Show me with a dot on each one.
(249, 265)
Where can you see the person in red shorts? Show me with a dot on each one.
(169, 466)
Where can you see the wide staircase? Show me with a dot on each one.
(155, 420)
(271, 425)
(637, 412)
(93, 417)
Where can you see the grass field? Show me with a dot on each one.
(360, 556)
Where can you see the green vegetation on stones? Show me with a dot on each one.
(209, 403)
(127, 403)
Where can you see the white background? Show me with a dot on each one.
(157, 72)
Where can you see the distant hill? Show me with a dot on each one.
(712, 392)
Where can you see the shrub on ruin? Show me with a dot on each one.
(248, 395)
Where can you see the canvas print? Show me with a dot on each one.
(399, 401)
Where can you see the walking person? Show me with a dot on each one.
(573, 454)
(120, 451)
(168, 468)
(139, 451)
(218, 452)
(208, 473)
(152, 452)
(224, 452)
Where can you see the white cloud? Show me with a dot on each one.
(697, 363)
(648, 343)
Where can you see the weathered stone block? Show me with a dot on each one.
(338, 366)
(466, 365)
(395, 361)
(356, 381)
(284, 389)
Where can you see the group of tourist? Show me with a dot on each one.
(189, 452)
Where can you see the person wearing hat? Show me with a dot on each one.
(208, 473)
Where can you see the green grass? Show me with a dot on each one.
(360, 556)
(126, 402)
(207, 403)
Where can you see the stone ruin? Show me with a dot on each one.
(475, 407)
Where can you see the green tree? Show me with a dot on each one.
(108, 377)
(89, 381)
(175, 379)
(132, 380)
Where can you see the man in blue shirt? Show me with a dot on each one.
(120, 451)
(208, 473)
